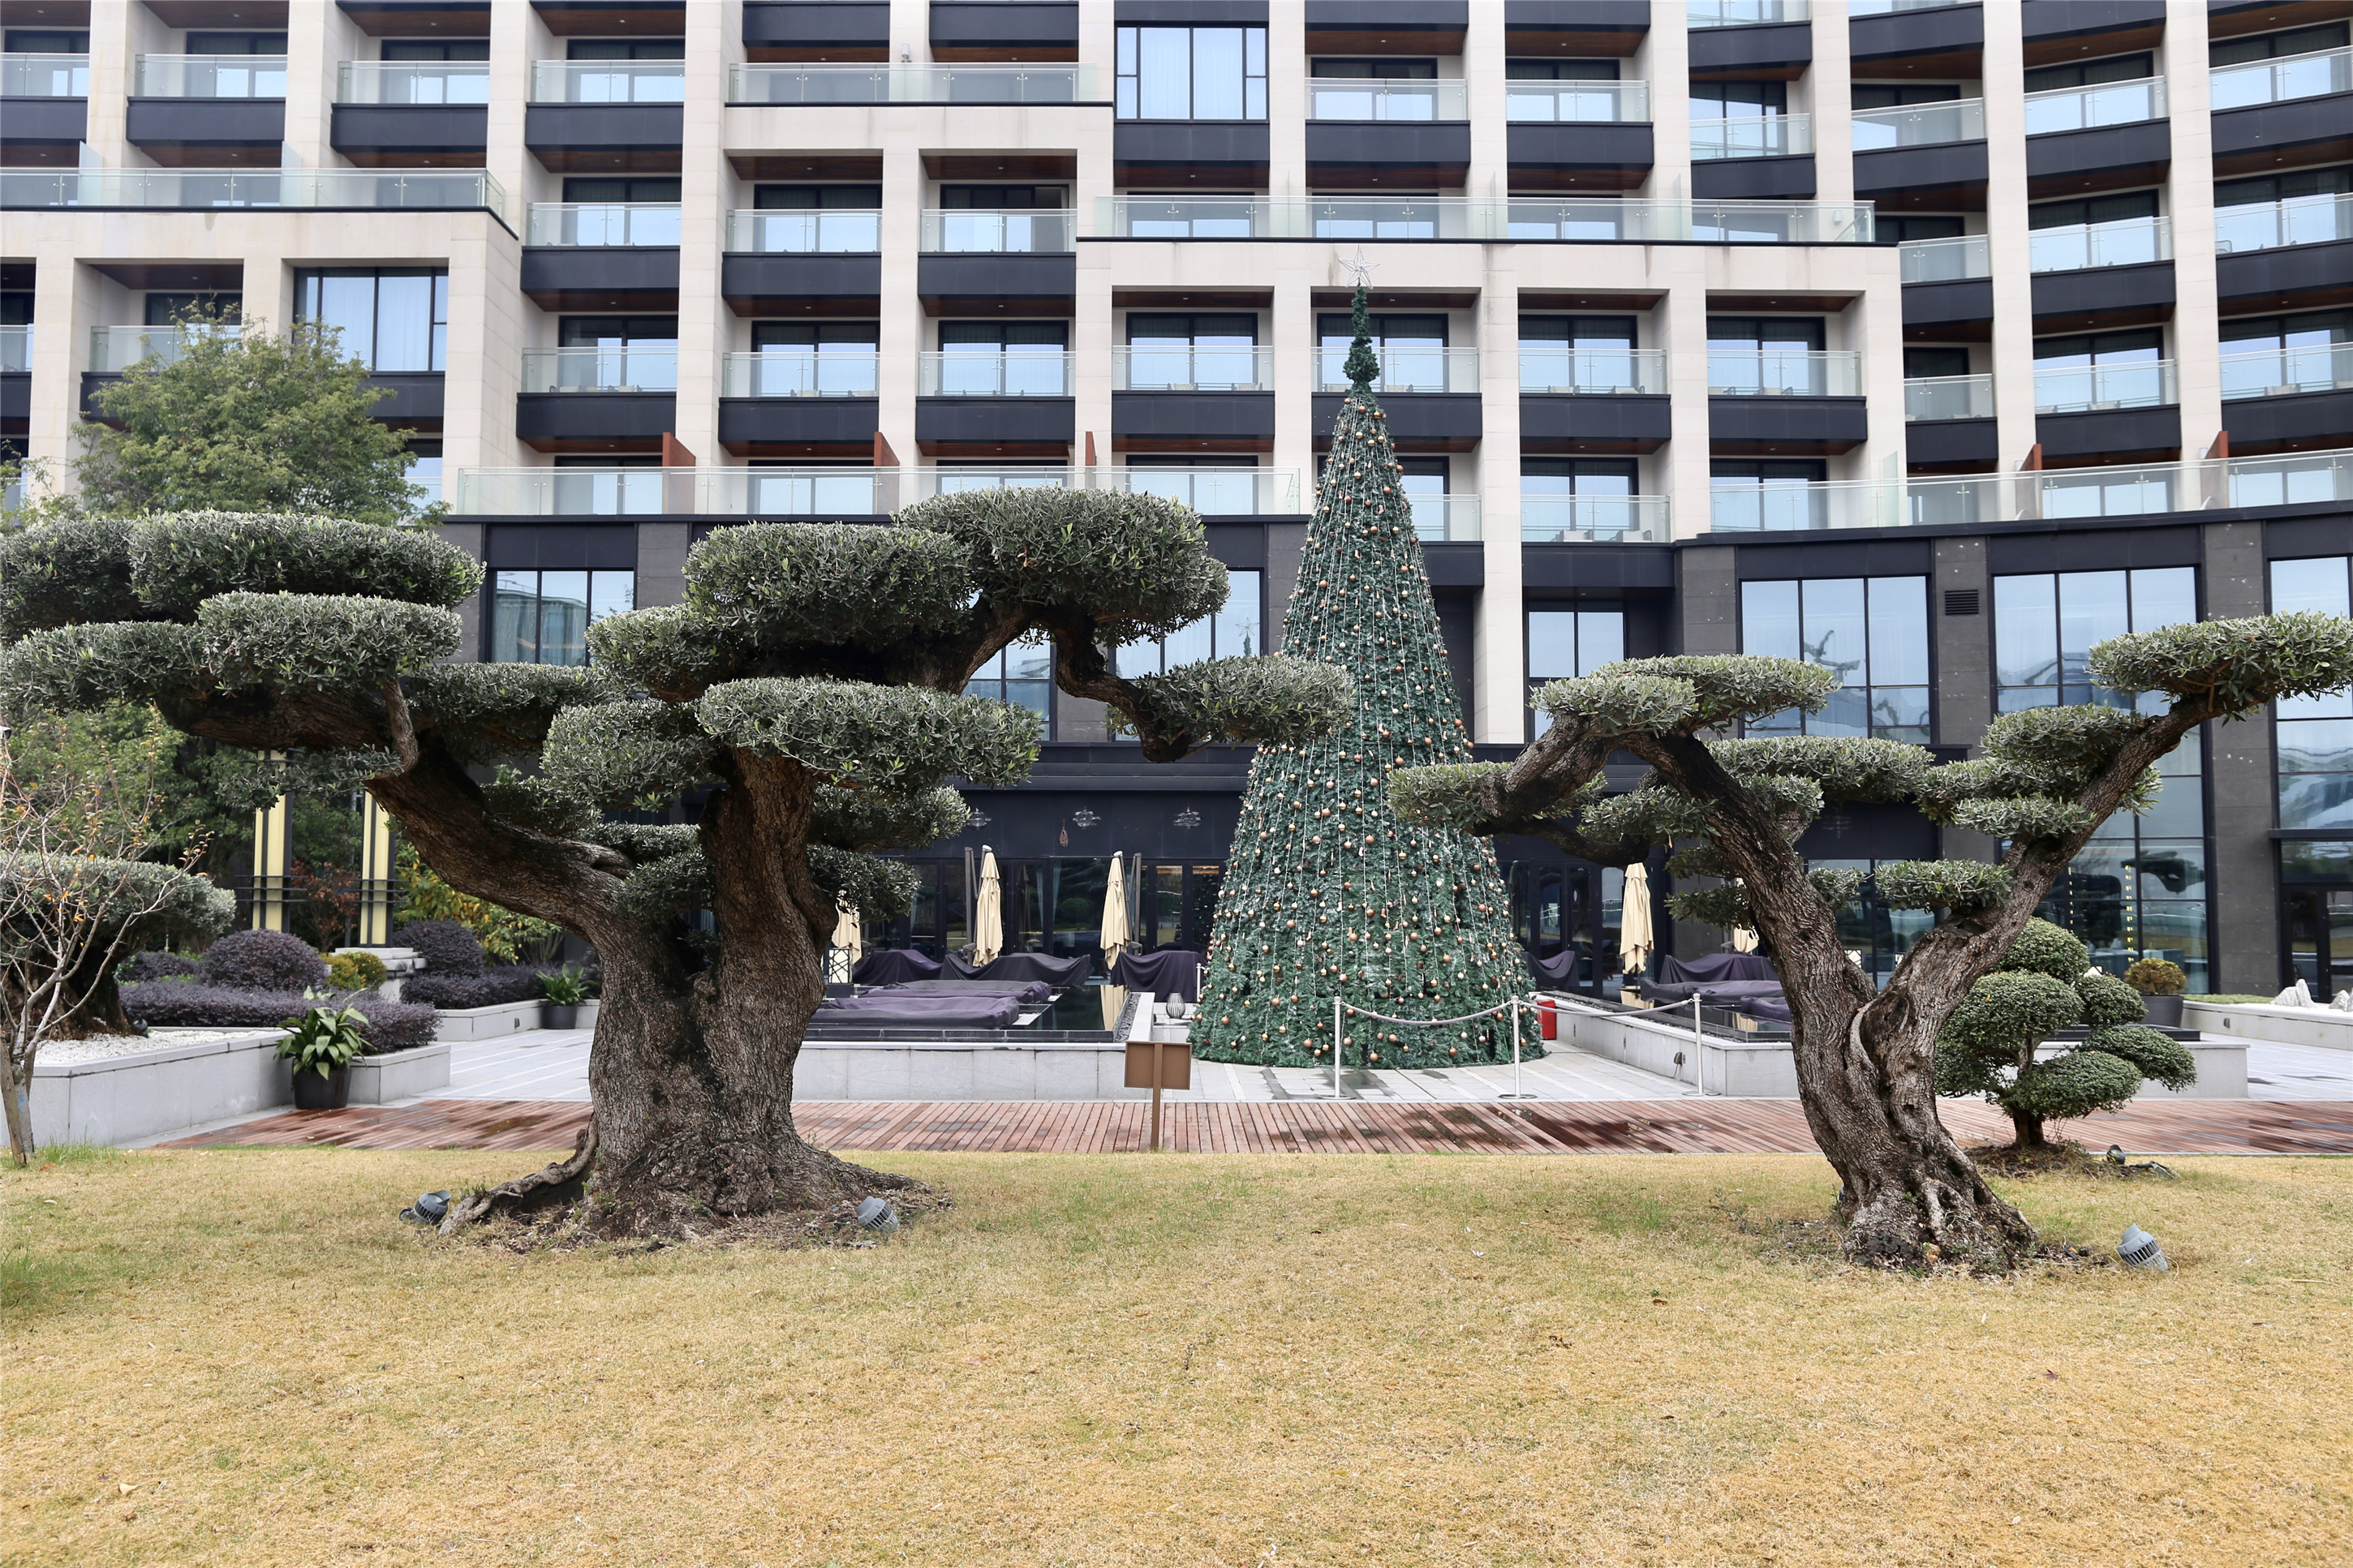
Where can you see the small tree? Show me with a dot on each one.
(2044, 983)
(2050, 776)
(812, 684)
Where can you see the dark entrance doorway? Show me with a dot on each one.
(1179, 904)
(2320, 938)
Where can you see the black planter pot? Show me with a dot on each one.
(331, 1092)
(552, 1016)
(2164, 1012)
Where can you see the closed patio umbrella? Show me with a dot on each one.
(847, 948)
(988, 917)
(1635, 937)
(1116, 936)
(1741, 938)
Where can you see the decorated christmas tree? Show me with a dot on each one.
(1326, 892)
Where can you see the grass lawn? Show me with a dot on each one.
(240, 1357)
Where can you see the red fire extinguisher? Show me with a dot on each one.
(1549, 1020)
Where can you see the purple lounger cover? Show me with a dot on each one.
(893, 965)
(887, 1009)
(1027, 990)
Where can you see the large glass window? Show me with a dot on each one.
(2265, 189)
(2277, 46)
(1021, 674)
(1566, 643)
(1191, 73)
(1576, 354)
(543, 617)
(432, 50)
(1739, 100)
(1878, 935)
(391, 320)
(2312, 352)
(1237, 631)
(828, 359)
(2046, 624)
(2315, 734)
(2091, 209)
(2091, 73)
(1873, 630)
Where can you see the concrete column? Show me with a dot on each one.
(117, 34)
(1825, 87)
(902, 332)
(704, 323)
(1875, 330)
(661, 563)
(1963, 649)
(2189, 200)
(2006, 234)
(1290, 328)
(517, 38)
(319, 38)
(1483, 84)
(1498, 660)
(1665, 62)
(1681, 318)
(2242, 773)
(1286, 96)
(1093, 342)
(69, 299)
(489, 324)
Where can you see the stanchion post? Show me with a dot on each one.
(1699, 1047)
(1335, 1048)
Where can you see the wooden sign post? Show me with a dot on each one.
(1156, 1065)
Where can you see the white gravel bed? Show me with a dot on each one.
(100, 1047)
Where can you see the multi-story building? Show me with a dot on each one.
(1932, 340)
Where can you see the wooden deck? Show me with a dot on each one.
(1311, 1127)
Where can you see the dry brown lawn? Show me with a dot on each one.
(241, 1358)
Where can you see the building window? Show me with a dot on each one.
(1880, 935)
(2083, 210)
(543, 617)
(1577, 354)
(1873, 630)
(1899, 227)
(1234, 632)
(173, 308)
(1739, 100)
(1566, 644)
(2268, 356)
(425, 469)
(2101, 370)
(625, 49)
(2265, 189)
(2046, 624)
(1864, 95)
(1560, 71)
(431, 50)
(596, 189)
(391, 320)
(1021, 674)
(2315, 734)
(1191, 73)
(2092, 73)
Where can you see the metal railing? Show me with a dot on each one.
(1444, 519)
(2277, 81)
(1571, 219)
(953, 230)
(2076, 248)
(801, 373)
(1949, 397)
(821, 492)
(1362, 100)
(1577, 102)
(574, 492)
(1752, 136)
(1944, 261)
(1919, 125)
(1403, 370)
(600, 370)
(2088, 108)
(1593, 520)
(1183, 367)
(2285, 371)
(813, 231)
(608, 81)
(654, 224)
(413, 81)
(15, 349)
(1792, 373)
(981, 373)
(1212, 492)
(44, 76)
(2299, 220)
(1593, 371)
(795, 84)
(1741, 12)
(2081, 388)
(188, 189)
(118, 347)
(210, 75)
(1971, 501)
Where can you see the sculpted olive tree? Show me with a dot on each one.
(1867, 1060)
(812, 683)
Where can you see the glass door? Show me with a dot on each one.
(2320, 938)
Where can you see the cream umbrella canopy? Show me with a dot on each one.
(1115, 933)
(1741, 938)
(1635, 937)
(989, 916)
(848, 941)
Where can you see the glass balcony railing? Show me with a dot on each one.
(1191, 367)
(2262, 226)
(1949, 397)
(210, 75)
(1577, 102)
(579, 492)
(1593, 372)
(1742, 13)
(44, 76)
(2076, 248)
(1919, 125)
(1752, 136)
(1361, 99)
(608, 81)
(2088, 108)
(1971, 501)
(779, 84)
(1567, 219)
(1592, 520)
(801, 373)
(1946, 261)
(1784, 373)
(2078, 389)
(952, 230)
(1212, 492)
(2285, 371)
(1403, 370)
(1445, 519)
(16, 350)
(1885, 7)
(413, 81)
(818, 231)
(651, 224)
(2277, 81)
(981, 374)
(118, 347)
(192, 189)
(829, 493)
(600, 370)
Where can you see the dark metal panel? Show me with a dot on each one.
(1753, 179)
(1223, 416)
(560, 547)
(604, 127)
(1947, 443)
(1185, 150)
(797, 24)
(1787, 425)
(553, 419)
(1178, 823)
(1454, 565)
(2269, 135)
(60, 119)
(2287, 538)
(964, 26)
(1870, 830)
(411, 128)
(1941, 30)
(1386, 26)
(2101, 158)
(1575, 27)
(420, 18)
(1201, 12)
(759, 285)
(2110, 435)
(1241, 545)
(1903, 175)
(2298, 422)
(1585, 423)
(15, 401)
(2170, 541)
(2285, 277)
(1395, 153)
(1827, 555)
(597, 277)
(205, 122)
(797, 426)
(1963, 302)
(1007, 284)
(1605, 568)
(995, 421)
(416, 401)
(1778, 47)
(1553, 156)
(2102, 295)
(1428, 422)
(2072, 18)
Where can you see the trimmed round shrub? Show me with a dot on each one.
(2046, 949)
(355, 971)
(2156, 978)
(273, 961)
(178, 1005)
(447, 947)
(145, 968)
(491, 988)
(2108, 1000)
(391, 1025)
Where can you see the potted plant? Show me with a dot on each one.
(2160, 984)
(322, 1044)
(566, 993)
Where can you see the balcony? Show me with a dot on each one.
(2095, 275)
(2287, 113)
(207, 189)
(15, 384)
(1232, 153)
(1940, 39)
(1444, 520)
(1566, 219)
(1595, 401)
(1949, 423)
(2049, 495)
(416, 401)
(752, 85)
(983, 374)
(1755, 136)
(44, 76)
(1579, 135)
(16, 351)
(208, 111)
(1594, 373)
(1388, 102)
(1430, 395)
(602, 256)
(2287, 372)
(609, 82)
(598, 399)
(413, 114)
(798, 373)
(607, 116)
(1792, 374)
(798, 403)
(1403, 132)
(814, 232)
(211, 76)
(1919, 125)
(113, 350)
(839, 492)
(394, 84)
(1179, 398)
(44, 107)
(1576, 102)
(1925, 154)
(1405, 370)
(1185, 368)
(976, 262)
(1747, 39)
(2097, 138)
(2076, 389)
(2092, 108)
(1593, 520)
(2077, 247)
(2267, 226)
(995, 30)
(981, 404)
(623, 370)
(603, 224)
(2278, 256)
(1795, 403)
(799, 263)
(2288, 399)
(1953, 260)
(1698, 14)
(1212, 492)
(1934, 398)
(2280, 81)
(966, 231)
